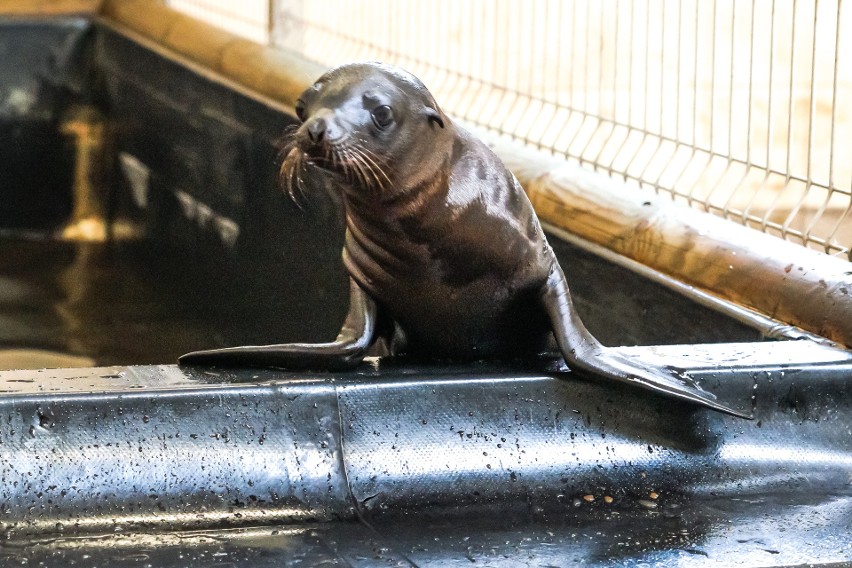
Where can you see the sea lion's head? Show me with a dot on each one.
(375, 125)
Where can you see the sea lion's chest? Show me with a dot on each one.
(464, 282)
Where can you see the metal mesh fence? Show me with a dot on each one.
(247, 18)
(740, 107)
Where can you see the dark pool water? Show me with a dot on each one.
(72, 304)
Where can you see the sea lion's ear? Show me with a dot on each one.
(434, 116)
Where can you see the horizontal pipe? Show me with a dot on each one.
(49, 7)
(273, 73)
(768, 327)
(781, 280)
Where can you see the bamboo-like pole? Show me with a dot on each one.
(49, 7)
(273, 73)
(780, 279)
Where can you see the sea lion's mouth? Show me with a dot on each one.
(346, 157)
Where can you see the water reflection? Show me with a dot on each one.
(82, 303)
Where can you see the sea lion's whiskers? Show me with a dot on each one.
(342, 162)
(329, 154)
(379, 161)
(358, 166)
(290, 167)
(300, 188)
(371, 181)
(290, 191)
(374, 168)
(342, 158)
(379, 164)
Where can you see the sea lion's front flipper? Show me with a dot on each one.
(347, 350)
(583, 353)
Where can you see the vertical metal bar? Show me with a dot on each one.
(730, 151)
(617, 153)
(711, 146)
(532, 41)
(586, 66)
(694, 142)
(830, 187)
(270, 20)
(507, 80)
(748, 162)
(647, 88)
(601, 51)
(769, 122)
(647, 81)
(811, 119)
(524, 45)
(731, 82)
(676, 184)
(599, 94)
(695, 83)
(410, 34)
(678, 51)
(791, 109)
(584, 109)
(596, 161)
(486, 66)
(485, 75)
(658, 135)
(394, 37)
(474, 32)
(545, 79)
(475, 42)
(840, 220)
(662, 65)
(615, 63)
(656, 183)
(573, 88)
(559, 90)
(538, 53)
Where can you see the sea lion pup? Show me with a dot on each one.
(445, 255)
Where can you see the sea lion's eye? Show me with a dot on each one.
(300, 110)
(382, 116)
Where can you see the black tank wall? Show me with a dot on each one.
(43, 70)
(213, 158)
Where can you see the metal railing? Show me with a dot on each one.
(740, 107)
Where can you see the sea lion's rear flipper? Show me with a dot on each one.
(347, 350)
(583, 353)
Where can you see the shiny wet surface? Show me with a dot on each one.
(441, 465)
(714, 533)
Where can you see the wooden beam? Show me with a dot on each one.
(274, 73)
(49, 7)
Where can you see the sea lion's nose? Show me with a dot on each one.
(322, 126)
(316, 127)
